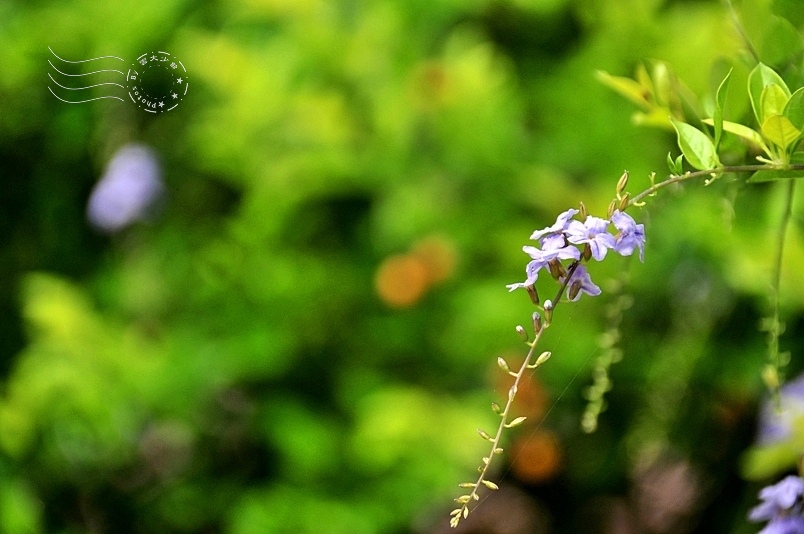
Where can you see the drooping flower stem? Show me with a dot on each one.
(505, 413)
(773, 370)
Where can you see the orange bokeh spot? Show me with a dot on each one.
(438, 255)
(536, 458)
(401, 280)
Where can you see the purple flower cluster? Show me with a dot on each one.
(559, 242)
(781, 507)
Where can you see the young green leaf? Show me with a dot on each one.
(773, 101)
(794, 110)
(780, 131)
(759, 78)
(696, 146)
(742, 131)
(675, 165)
(720, 103)
(626, 87)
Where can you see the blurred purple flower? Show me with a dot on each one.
(778, 499)
(785, 525)
(777, 425)
(581, 282)
(128, 191)
(593, 232)
(562, 221)
(631, 235)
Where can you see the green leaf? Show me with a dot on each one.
(696, 146)
(780, 131)
(656, 117)
(773, 101)
(761, 77)
(674, 165)
(643, 79)
(794, 110)
(662, 84)
(626, 87)
(745, 132)
(720, 103)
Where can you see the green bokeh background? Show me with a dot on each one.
(230, 366)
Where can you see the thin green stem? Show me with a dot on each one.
(773, 372)
(674, 179)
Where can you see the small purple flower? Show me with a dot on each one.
(553, 242)
(581, 282)
(554, 250)
(128, 191)
(779, 500)
(547, 254)
(631, 235)
(593, 232)
(560, 225)
(785, 525)
(532, 273)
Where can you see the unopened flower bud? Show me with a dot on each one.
(612, 207)
(523, 334)
(543, 357)
(623, 202)
(622, 182)
(555, 268)
(574, 289)
(534, 296)
(587, 252)
(537, 322)
(548, 311)
(584, 214)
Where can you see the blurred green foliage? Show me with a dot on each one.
(304, 341)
